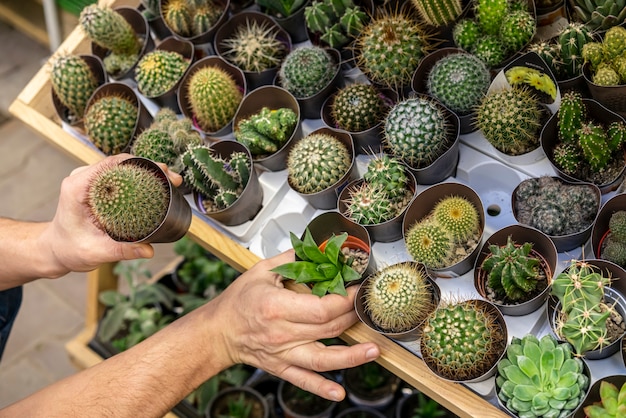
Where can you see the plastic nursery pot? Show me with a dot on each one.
(613, 295)
(249, 202)
(547, 16)
(97, 68)
(593, 395)
(220, 404)
(177, 219)
(387, 231)
(549, 140)
(600, 228)
(361, 392)
(421, 207)
(156, 23)
(183, 89)
(272, 97)
(187, 50)
(119, 89)
(542, 248)
(568, 241)
(294, 24)
(205, 37)
(327, 198)
(296, 403)
(235, 23)
(611, 97)
(140, 25)
(412, 334)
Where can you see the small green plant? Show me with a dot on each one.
(607, 58)
(266, 131)
(357, 107)
(281, 8)
(191, 18)
(239, 407)
(614, 245)
(599, 15)
(328, 270)
(110, 122)
(430, 243)
(234, 376)
(427, 408)
(457, 215)
(612, 402)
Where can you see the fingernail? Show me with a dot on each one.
(334, 395)
(371, 354)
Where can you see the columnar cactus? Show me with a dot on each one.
(336, 22)
(457, 215)
(571, 114)
(438, 12)
(357, 107)
(267, 131)
(429, 243)
(127, 201)
(205, 17)
(316, 162)
(158, 72)
(73, 81)
(307, 70)
(594, 143)
(110, 123)
(399, 297)
(459, 81)
(187, 18)
(416, 131)
(600, 14)
(572, 39)
(214, 97)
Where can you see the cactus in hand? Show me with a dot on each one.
(612, 402)
(73, 82)
(127, 201)
(214, 97)
(317, 162)
(416, 131)
(462, 340)
(110, 122)
(254, 47)
(438, 12)
(459, 81)
(158, 72)
(429, 243)
(307, 70)
(399, 297)
(357, 107)
(267, 131)
(335, 21)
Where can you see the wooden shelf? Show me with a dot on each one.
(34, 107)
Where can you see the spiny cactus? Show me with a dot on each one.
(572, 38)
(462, 340)
(617, 225)
(399, 297)
(367, 204)
(466, 33)
(205, 17)
(490, 49)
(73, 81)
(550, 53)
(266, 131)
(127, 201)
(416, 131)
(607, 59)
(335, 22)
(214, 97)
(316, 162)
(186, 18)
(517, 29)
(110, 123)
(571, 114)
(429, 243)
(510, 119)
(438, 12)
(254, 47)
(600, 14)
(614, 42)
(605, 75)
(307, 70)
(458, 215)
(490, 15)
(614, 246)
(389, 173)
(158, 72)
(357, 107)
(594, 143)
(459, 81)
(612, 402)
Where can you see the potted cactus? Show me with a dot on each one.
(542, 377)
(417, 404)
(607, 230)
(441, 16)
(195, 21)
(606, 398)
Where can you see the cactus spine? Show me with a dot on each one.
(429, 243)
(571, 115)
(457, 215)
(187, 19)
(614, 246)
(73, 82)
(490, 15)
(357, 107)
(572, 39)
(438, 12)
(517, 29)
(307, 70)
(367, 204)
(267, 131)
(158, 72)
(110, 123)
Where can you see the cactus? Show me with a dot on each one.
(617, 225)
(490, 49)
(517, 29)
(389, 173)
(605, 75)
(466, 33)
(266, 131)
(110, 123)
(612, 402)
(178, 16)
(390, 48)
(416, 131)
(438, 12)
(572, 38)
(593, 53)
(367, 204)
(567, 157)
(550, 53)
(429, 243)
(214, 98)
(462, 340)
(73, 82)
(594, 144)
(571, 114)
(254, 47)
(459, 81)
(337, 22)
(600, 14)
(398, 297)
(615, 252)
(357, 107)
(158, 72)
(510, 119)
(205, 17)
(317, 162)
(490, 15)
(457, 215)
(307, 70)
(127, 201)
(151, 8)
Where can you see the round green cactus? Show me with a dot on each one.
(429, 243)
(389, 173)
(357, 107)
(307, 70)
(517, 29)
(605, 75)
(615, 252)
(490, 15)
(459, 81)
(490, 49)
(110, 123)
(399, 297)
(459, 216)
(316, 162)
(73, 81)
(438, 12)
(178, 16)
(466, 34)
(567, 157)
(617, 225)
(127, 201)
(158, 72)
(368, 204)
(593, 52)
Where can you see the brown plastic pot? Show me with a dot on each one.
(611, 97)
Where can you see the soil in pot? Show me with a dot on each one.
(297, 402)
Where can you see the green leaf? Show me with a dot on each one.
(112, 323)
(515, 375)
(532, 351)
(333, 247)
(349, 274)
(540, 400)
(520, 405)
(528, 366)
(311, 249)
(561, 394)
(508, 389)
(297, 245)
(546, 365)
(568, 379)
(337, 286)
(300, 271)
(321, 288)
(525, 392)
(328, 270)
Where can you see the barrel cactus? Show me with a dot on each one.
(335, 22)
(490, 49)
(368, 204)
(429, 243)
(266, 131)
(399, 297)
(73, 82)
(438, 12)
(127, 201)
(158, 72)
(307, 70)
(110, 122)
(390, 173)
(458, 216)
(490, 15)
(316, 162)
(357, 107)
(214, 97)
(459, 81)
(517, 29)
(416, 131)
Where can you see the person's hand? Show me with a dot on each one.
(270, 327)
(76, 242)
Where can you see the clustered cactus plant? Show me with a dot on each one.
(607, 58)
(462, 340)
(357, 107)
(336, 22)
(541, 377)
(158, 71)
(73, 82)
(307, 70)
(188, 18)
(438, 12)
(612, 402)
(267, 131)
(316, 162)
(255, 47)
(614, 245)
(110, 122)
(399, 297)
(600, 14)
(543, 203)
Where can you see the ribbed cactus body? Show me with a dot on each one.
(429, 243)
(110, 123)
(614, 42)
(459, 81)
(490, 49)
(127, 201)
(571, 115)
(307, 70)
(357, 107)
(158, 72)
(154, 144)
(73, 82)
(518, 28)
(594, 144)
(389, 173)
(416, 131)
(616, 133)
(605, 75)
(550, 53)
(593, 52)
(438, 12)
(267, 131)
(336, 22)
(490, 14)
(214, 97)
(399, 297)
(178, 15)
(109, 29)
(572, 39)
(459, 216)
(205, 17)
(317, 162)
(617, 225)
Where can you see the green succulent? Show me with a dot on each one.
(600, 14)
(307, 70)
(429, 243)
(110, 122)
(457, 215)
(612, 402)
(336, 22)
(357, 107)
(266, 131)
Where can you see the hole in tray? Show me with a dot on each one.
(493, 210)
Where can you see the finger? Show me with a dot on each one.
(174, 177)
(321, 358)
(306, 308)
(314, 383)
